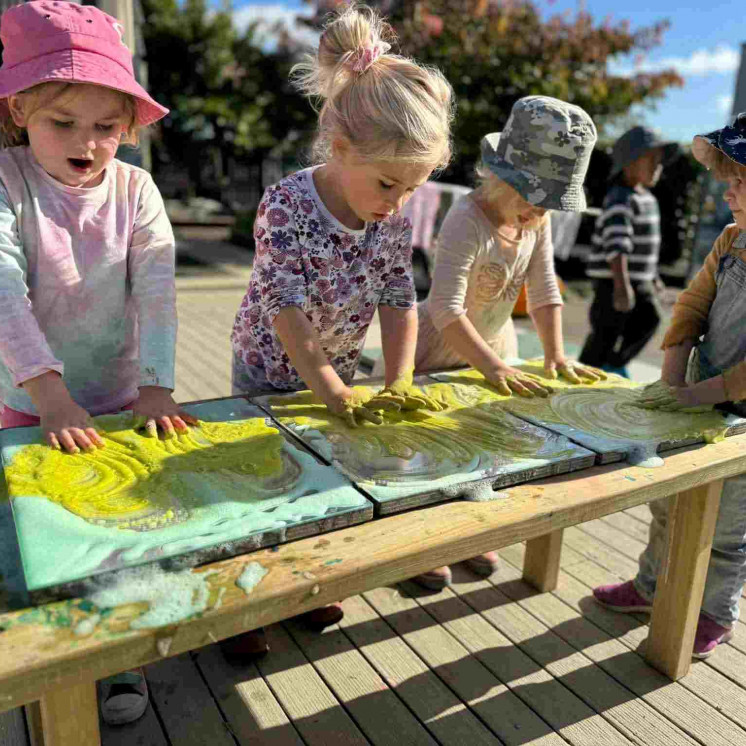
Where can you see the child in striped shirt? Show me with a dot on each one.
(624, 264)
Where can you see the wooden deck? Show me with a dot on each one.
(484, 662)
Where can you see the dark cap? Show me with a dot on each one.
(730, 140)
(638, 141)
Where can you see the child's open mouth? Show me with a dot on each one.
(80, 164)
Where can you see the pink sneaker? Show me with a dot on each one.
(622, 597)
(709, 635)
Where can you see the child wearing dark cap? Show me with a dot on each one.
(624, 263)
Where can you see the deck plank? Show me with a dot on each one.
(619, 656)
(357, 684)
(178, 691)
(437, 707)
(316, 713)
(12, 728)
(253, 713)
(489, 698)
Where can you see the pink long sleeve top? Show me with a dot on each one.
(86, 284)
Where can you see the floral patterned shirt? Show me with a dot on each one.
(338, 276)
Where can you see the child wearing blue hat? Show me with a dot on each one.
(705, 364)
(624, 262)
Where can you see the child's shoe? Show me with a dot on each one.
(622, 597)
(317, 619)
(124, 697)
(246, 647)
(435, 580)
(483, 564)
(709, 635)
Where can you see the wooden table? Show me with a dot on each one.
(45, 666)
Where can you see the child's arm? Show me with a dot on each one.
(458, 245)
(151, 260)
(616, 234)
(304, 349)
(27, 355)
(545, 309)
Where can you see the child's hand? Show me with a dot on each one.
(623, 298)
(155, 407)
(697, 398)
(572, 371)
(403, 394)
(350, 406)
(67, 425)
(510, 381)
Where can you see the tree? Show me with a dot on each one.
(229, 96)
(495, 51)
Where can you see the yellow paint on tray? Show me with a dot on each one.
(471, 426)
(134, 481)
(606, 409)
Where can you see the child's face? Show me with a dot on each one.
(517, 212)
(646, 170)
(374, 190)
(76, 135)
(735, 196)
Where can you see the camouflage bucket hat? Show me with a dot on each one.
(543, 152)
(729, 140)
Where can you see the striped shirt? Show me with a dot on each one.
(629, 224)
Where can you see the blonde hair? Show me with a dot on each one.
(44, 94)
(492, 186)
(722, 166)
(391, 108)
(495, 191)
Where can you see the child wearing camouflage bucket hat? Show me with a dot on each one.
(705, 364)
(491, 242)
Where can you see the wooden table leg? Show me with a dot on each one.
(65, 717)
(681, 579)
(542, 561)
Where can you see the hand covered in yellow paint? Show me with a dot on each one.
(154, 408)
(573, 372)
(64, 423)
(508, 381)
(403, 394)
(697, 398)
(70, 427)
(351, 407)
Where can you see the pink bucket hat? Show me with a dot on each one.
(68, 43)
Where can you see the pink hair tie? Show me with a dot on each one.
(364, 57)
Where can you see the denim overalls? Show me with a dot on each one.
(723, 346)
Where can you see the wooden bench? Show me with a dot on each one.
(45, 666)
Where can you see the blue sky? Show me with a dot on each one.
(703, 43)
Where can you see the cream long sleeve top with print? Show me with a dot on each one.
(86, 284)
(479, 272)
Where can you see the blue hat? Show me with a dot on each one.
(635, 143)
(730, 140)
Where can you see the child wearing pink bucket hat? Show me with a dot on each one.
(87, 292)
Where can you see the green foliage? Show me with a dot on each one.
(227, 94)
(495, 51)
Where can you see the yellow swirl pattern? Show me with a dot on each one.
(137, 482)
(420, 444)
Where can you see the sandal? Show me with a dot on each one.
(245, 648)
(124, 697)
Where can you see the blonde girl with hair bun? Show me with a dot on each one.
(331, 247)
